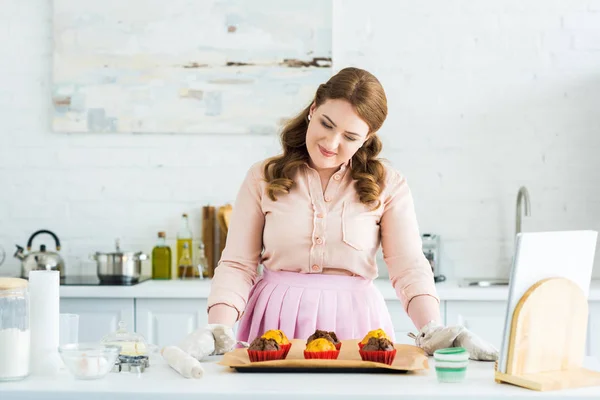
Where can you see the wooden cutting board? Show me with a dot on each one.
(408, 359)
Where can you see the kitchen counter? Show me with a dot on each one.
(219, 383)
(182, 289)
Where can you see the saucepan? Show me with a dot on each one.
(119, 267)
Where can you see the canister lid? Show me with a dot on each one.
(13, 283)
(451, 354)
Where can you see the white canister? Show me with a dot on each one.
(15, 337)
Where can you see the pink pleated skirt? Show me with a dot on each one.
(298, 304)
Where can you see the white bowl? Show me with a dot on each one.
(89, 360)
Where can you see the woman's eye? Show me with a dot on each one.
(350, 138)
(325, 125)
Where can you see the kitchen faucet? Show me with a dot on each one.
(523, 194)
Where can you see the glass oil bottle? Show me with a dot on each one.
(161, 258)
(184, 250)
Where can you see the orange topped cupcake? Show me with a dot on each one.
(321, 348)
(331, 336)
(281, 339)
(376, 333)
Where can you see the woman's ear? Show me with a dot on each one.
(312, 109)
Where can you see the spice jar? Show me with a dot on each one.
(15, 342)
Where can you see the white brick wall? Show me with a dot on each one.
(484, 97)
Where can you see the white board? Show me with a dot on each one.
(541, 255)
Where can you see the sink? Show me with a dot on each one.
(484, 282)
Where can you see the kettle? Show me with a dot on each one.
(40, 260)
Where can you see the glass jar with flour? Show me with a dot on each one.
(14, 329)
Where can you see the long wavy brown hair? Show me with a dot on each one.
(365, 93)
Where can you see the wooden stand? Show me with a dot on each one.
(547, 339)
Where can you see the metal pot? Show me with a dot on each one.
(119, 267)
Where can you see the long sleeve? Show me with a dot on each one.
(236, 271)
(409, 270)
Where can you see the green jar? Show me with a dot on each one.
(451, 364)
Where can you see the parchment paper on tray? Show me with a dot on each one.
(408, 358)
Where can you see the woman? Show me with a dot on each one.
(314, 217)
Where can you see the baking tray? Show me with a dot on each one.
(408, 359)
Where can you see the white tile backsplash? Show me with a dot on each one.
(483, 96)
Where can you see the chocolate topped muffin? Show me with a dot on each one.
(262, 344)
(320, 334)
(378, 344)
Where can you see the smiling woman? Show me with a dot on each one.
(314, 217)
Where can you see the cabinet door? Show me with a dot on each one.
(593, 341)
(403, 325)
(99, 317)
(484, 318)
(167, 321)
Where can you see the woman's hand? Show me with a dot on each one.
(434, 336)
(213, 339)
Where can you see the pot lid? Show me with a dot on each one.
(118, 250)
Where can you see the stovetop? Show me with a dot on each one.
(91, 280)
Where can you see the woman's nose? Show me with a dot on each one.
(333, 142)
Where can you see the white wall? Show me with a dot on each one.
(484, 97)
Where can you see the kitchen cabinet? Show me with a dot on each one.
(402, 322)
(98, 317)
(167, 321)
(484, 318)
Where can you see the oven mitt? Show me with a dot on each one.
(214, 339)
(180, 361)
(434, 336)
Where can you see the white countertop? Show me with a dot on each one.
(183, 289)
(220, 383)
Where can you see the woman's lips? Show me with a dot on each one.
(325, 152)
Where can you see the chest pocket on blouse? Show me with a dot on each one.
(359, 226)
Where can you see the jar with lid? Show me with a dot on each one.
(15, 337)
(132, 344)
(135, 351)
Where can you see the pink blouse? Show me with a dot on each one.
(314, 232)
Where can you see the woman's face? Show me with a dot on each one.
(335, 133)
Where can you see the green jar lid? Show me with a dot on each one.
(451, 354)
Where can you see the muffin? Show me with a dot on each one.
(376, 333)
(280, 338)
(262, 349)
(321, 348)
(378, 350)
(331, 336)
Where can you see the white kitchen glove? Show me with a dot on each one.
(434, 336)
(214, 339)
(180, 361)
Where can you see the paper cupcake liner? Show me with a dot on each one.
(338, 346)
(286, 349)
(360, 345)
(262, 355)
(385, 357)
(324, 355)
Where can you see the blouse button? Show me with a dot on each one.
(319, 241)
(327, 198)
(315, 267)
(336, 177)
(320, 215)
